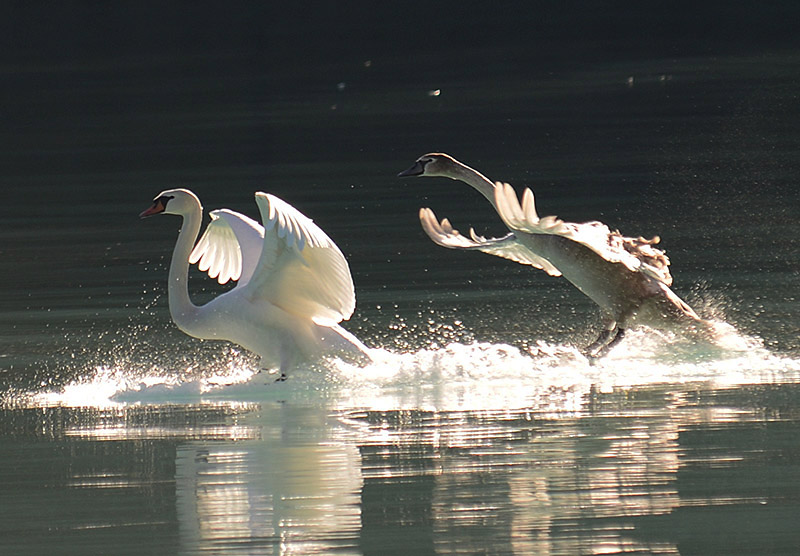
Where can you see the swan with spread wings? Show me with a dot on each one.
(627, 277)
(294, 285)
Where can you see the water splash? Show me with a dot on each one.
(443, 376)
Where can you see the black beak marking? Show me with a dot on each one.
(416, 170)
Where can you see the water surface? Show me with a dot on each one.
(480, 429)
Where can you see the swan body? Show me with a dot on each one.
(294, 285)
(627, 277)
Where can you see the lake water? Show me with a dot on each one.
(479, 429)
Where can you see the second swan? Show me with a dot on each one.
(627, 277)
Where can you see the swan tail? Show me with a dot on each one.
(344, 345)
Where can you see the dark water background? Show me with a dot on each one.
(481, 431)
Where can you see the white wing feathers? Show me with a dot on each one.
(295, 228)
(637, 254)
(442, 233)
(300, 269)
(290, 261)
(229, 248)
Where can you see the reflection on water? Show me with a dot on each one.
(453, 448)
(540, 486)
(656, 469)
(295, 491)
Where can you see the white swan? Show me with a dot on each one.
(294, 283)
(627, 277)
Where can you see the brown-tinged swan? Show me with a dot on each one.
(627, 277)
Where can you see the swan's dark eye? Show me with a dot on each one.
(164, 199)
(159, 205)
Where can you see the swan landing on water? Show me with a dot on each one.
(294, 285)
(627, 277)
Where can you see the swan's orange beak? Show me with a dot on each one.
(157, 208)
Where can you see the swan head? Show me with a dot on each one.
(432, 164)
(172, 201)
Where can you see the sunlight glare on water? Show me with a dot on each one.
(455, 376)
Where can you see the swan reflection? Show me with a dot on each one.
(632, 469)
(295, 490)
(540, 486)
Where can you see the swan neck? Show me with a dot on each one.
(181, 307)
(472, 177)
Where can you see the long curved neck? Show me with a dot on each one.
(462, 172)
(181, 307)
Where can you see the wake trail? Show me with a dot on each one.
(473, 375)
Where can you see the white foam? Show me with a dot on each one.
(475, 375)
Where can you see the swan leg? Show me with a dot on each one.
(606, 335)
(270, 370)
(286, 364)
(289, 359)
(620, 334)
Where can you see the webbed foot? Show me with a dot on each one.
(605, 343)
(595, 349)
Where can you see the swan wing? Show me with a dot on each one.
(442, 233)
(637, 254)
(300, 269)
(229, 248)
